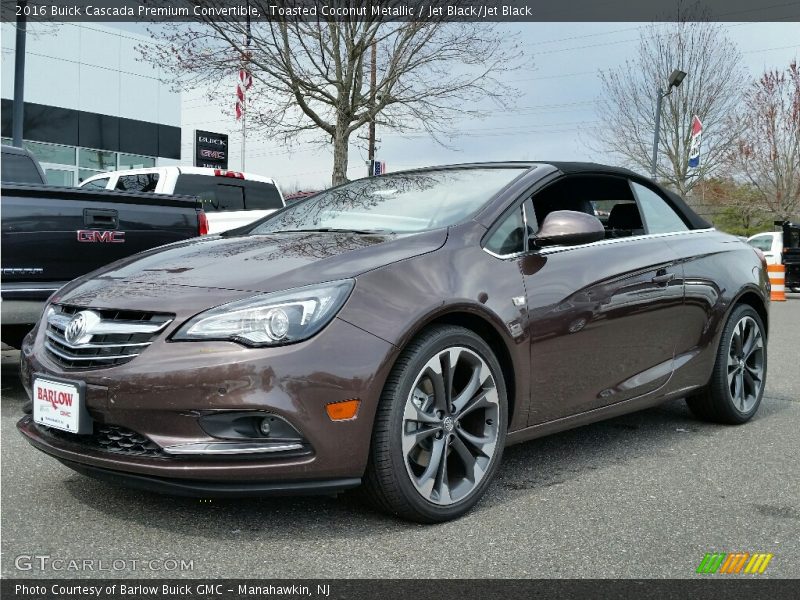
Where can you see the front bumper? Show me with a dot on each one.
(162, 393)
(215, 489)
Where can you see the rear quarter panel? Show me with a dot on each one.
(718, 271)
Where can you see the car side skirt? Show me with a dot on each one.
(593, 416)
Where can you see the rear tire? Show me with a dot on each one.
(440, 428)
(736, 388)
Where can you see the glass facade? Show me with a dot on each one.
(97, 160)
(51, 153)
(69, 165)
(134, 161)
(91, 104)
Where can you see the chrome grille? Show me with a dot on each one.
(114, 337)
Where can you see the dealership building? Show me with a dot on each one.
(92, 104)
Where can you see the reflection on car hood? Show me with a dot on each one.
(262, 263)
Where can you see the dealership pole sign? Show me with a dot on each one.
(210, 149)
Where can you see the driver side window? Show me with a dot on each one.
(606, 197)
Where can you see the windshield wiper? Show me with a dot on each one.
(333, 230)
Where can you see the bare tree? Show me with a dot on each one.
(312, 75)
(768, 152)
(711, 90)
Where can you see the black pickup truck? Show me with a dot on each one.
(51, 235)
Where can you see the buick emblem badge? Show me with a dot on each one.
(81, 324)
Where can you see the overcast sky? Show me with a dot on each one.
(553, 122)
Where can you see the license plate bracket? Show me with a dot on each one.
(61, 404)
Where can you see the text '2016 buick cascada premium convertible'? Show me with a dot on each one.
(396, 333)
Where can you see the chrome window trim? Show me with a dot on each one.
(558, 249)
(631, 238)
(525, 240)
(504, 256)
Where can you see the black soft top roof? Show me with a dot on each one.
(572, 168)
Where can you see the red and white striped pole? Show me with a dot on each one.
(243, 84)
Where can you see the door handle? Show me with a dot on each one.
(100, 217)
(665, 278)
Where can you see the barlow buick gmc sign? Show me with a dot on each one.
(210, 149)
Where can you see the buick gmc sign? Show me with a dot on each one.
(210, 149)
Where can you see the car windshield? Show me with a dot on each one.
(401, 203)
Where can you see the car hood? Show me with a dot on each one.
(209, 271)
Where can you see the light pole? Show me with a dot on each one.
(18, 110)
(675, 79)
(373, 76)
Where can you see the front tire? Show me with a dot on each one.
(440, 427)
(734, 392)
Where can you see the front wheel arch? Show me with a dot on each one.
(487, 330)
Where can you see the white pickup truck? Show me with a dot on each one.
(230, 199)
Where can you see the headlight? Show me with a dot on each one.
(270, 319)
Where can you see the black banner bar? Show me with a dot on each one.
(734, 586)
(401, 10)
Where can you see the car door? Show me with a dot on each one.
(769, 245)
(602, 316)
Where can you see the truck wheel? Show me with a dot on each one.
(440, 427)
(734, 392)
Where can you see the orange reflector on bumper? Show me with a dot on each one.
(341, 411)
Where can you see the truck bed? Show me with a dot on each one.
(51, 235)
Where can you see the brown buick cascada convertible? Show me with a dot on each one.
(396, 333)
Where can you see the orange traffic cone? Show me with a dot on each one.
(777, 277)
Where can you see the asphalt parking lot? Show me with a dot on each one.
(645, 495)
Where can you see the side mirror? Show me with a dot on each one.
(568, 228)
